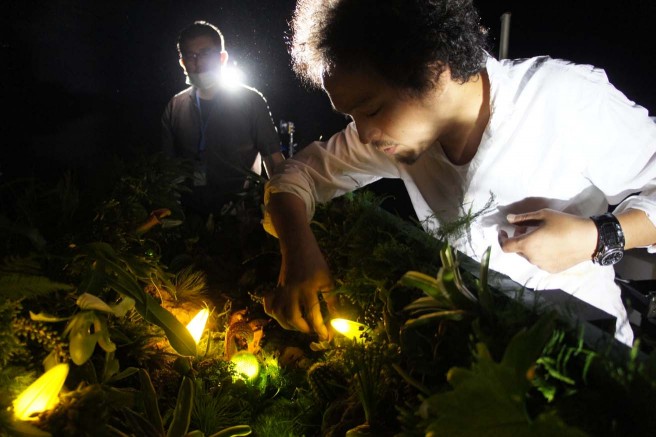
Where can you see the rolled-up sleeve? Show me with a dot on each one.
(325, 170)
(623, 161)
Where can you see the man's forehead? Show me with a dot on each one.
(198, 43)
(349, 89)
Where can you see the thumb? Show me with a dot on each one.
(509, 244)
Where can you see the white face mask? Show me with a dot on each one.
(203, 81)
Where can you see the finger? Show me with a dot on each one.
(298, 323)
(528, 219)
(294, 318)
(289, 318)
(330, 297)
(315, 317)
(520, 230)
(502, 238)
(510, 244)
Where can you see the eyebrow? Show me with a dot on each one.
(360, 102)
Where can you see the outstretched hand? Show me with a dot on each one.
(552, 240)
(295, 303)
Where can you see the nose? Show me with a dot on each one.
(367, 132)
(191, 65)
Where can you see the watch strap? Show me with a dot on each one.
(610, 239)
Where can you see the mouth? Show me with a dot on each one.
(389, 150)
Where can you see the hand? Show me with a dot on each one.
(558, 242)
(295, 302)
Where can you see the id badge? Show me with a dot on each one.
(200, 174)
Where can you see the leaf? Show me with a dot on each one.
(234, 431)
(124, 374)
(19, 428)
(182, 413)
(88, 301)
(423, 304)
(177, 334)
(43, 317)
(488, 400)
(432, 317)
(111, 366)
(150, 401)
(121, 309)
(527, 345)
(425, 283)
(20, 285)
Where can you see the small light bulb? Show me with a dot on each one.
(197, 324)
(349, 328)
(247, 364)
(42, 394)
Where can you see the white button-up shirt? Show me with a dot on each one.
(559, 136)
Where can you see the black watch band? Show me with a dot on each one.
(610, 240)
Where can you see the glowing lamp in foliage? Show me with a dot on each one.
(246, 364)
(197, 324)
(349, 328)
(43, 394)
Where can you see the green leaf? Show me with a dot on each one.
(527, 345)
(432, 317)
(182, 413)
(88, 301)
(43, 317)
(125, 305)
(19, 428)
(422, 304)
(425, 283)
(150, 401)
(124, 374)
(178, 335)
(20, 285)
(489, 399)
(234, 431)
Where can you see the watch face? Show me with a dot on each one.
(611, 257)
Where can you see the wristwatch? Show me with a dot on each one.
(610, 240)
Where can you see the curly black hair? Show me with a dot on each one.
(408, 42)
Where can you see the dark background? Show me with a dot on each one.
(85, 81)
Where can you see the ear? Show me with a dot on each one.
(182, 64)
(224, 57)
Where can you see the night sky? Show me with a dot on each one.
(84, 81)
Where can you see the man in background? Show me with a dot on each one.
(225, 128)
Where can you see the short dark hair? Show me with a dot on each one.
(200, 28)
(408, 42)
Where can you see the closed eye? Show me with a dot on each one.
(373, 113)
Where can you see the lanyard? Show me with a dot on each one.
(203, 126)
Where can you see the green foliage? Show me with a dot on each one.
(445, 353)
(458, 228)
(368, 249)
(490, 398)
(17, 285)
(370, 364)
(9, 344)
(218, 409)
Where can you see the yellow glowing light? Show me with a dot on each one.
(197, 324)
(43, 394)
(247, 364)
(349, 328)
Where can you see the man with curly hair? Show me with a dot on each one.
(553, 143)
